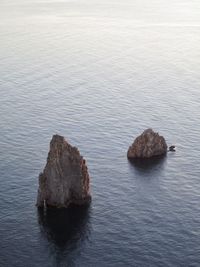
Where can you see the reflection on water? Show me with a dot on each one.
(65, 227)
(148, 164)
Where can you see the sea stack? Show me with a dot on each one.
(147, 145)
(65, 179)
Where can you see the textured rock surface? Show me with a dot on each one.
(147, 145)
(65, 179)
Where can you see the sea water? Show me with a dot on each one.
(99, 73)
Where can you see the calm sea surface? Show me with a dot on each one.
(100, 72)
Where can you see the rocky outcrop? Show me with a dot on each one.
(65, 179)
(147, 145)
(172, 148)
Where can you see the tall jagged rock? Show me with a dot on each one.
(147, 145)
(65, 179)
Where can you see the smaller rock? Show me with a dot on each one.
(172, 148)
(147, 145)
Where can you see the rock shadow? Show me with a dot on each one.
(146, 165)
(65, 227)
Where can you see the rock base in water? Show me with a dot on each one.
(65, 179)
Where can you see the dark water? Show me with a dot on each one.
(99, 73)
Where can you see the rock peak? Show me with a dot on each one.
(148, 131)
(57, 138)
(65, 179)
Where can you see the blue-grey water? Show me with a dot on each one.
(99, 72)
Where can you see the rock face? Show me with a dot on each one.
(65, 179)
(147, 145)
